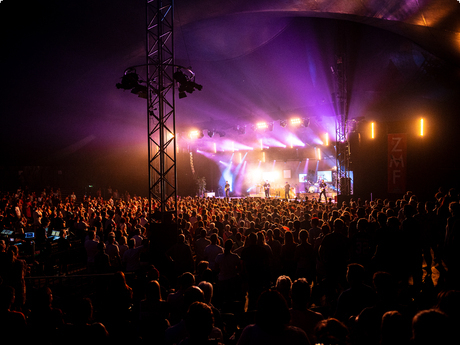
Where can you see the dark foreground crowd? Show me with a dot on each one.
(244, 271)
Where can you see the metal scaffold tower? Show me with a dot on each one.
(160, 107)
(341, 130)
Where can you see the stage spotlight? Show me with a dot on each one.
(300, 122)
(283, 123)
(196, 134)
(262, 125)
(296, 121)
(211, 133)
(186, 84)
(270, 127)
(221, 134)
(130, 81)
(241, 129)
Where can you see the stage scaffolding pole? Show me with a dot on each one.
(342, 145)
(160, 108)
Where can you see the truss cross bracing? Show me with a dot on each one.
(342, 146)
(160, 106)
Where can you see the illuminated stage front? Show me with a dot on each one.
(248, 170)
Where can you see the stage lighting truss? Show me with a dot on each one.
(241, 129)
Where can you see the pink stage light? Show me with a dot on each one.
(262, 125)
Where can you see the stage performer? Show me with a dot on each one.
(322, 187)
(287, 188)
(227, 191)
(267, 189)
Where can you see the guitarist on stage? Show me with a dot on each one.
(322, 187)
(227, 191)
(267, 189)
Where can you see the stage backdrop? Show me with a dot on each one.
(397, 163)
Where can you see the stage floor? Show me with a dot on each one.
(302, 196)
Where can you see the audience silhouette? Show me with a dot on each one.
(248, 271)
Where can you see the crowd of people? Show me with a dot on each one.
(234, 271)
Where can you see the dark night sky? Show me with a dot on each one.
(61, 60)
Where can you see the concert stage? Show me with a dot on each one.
(292, 196)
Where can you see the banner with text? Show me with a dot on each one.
(397, 168)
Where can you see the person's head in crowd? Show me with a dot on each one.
(361, 212)
(97, 333)
(153, 291)
(346, 216)
(251, 239)
(45, 222)
(303, 236)
(131, 243)
(432, 327)
(385, 286)
(394, 329)
(91, 234)
(83, 311)
(185, 280)
(208, 291)
(362, 225)
(300, 294)
(454, 208)
(12, 253)
(382, 218)
(355, 274)
(289, 237)
(331, 332)
(192, 294)
(214, 239)
(199, 322)
(448, 302)
(408, 210)
(314, 222)
(325, 229)
(122, 240)
(393, 223)
(283, 286)
(101, 247)
(339, 226)
(228, 246)
(261, 238)
(181, 238)
(111, 237)
(272, 313)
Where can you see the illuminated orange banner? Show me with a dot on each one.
(397, 167)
